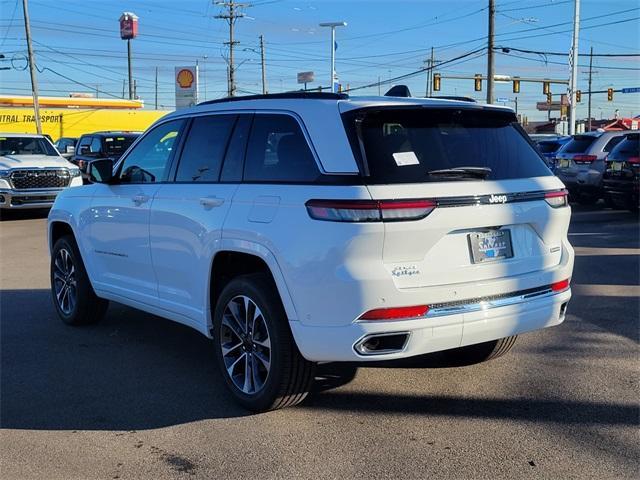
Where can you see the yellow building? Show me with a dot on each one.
(72, 116)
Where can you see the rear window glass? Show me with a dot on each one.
(118, 145)
(548, 147)
(578, 144)
(26, 146)
(627, 149)
(409, 145)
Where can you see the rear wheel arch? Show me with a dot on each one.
(229, 264)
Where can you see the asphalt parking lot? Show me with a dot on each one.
(139, 397)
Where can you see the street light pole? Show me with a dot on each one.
(573, 83)
(32, 68)
(333, 77)
(490, 55)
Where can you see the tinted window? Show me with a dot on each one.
(278, 151)
(148, 161)
(628, 149)
(204, 149)
(612, 143)
(84, 143)
(96, 145)
(117, 145)
(406, 145)
(234, 160)
(26, 146)
(548, 147)
(578, 144)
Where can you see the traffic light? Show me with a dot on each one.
(549, 97)
(610, 94)
(578, 96)
(478, 82)
(516, 85)
(436, 82)
(546, 88)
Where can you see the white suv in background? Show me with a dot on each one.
(32, 172)
(301, 228)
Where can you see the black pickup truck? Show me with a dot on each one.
(98, 145)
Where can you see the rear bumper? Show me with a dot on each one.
(432, 334)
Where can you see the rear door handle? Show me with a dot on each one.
(140, 199)
(210, 202)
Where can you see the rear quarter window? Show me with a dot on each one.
(403, 145)
(278, 152)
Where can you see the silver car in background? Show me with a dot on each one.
(580, 163)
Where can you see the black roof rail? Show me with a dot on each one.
(452, 97)
(284, 95)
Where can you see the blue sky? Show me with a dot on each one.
(79, 40)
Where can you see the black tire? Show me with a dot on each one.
(480, 352)
(87, 307)
(289, 377)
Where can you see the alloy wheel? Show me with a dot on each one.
(64, 281)
(245, 344)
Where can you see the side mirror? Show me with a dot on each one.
(70, 149)
(101, 171)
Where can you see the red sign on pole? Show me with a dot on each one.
(128, 26)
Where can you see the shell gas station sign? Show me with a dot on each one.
(186, 81)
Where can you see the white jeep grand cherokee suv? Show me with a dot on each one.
(301, 228)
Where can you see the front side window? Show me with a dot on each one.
(204, 149)
(149, 160)
(96, 145)
(278, 151)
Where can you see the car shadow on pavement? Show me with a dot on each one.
(136, 371)
(26, 214)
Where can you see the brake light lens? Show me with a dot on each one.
(396, 313)
(560, 286)
(584, 159)
(369, 210)
(557, 199)
(633, 160)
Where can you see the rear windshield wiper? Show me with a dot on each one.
(467, 172)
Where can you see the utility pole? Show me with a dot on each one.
(156, 88)
(573, 60)
(230, 16)
(32, 68)
(589, 107)
(264, 73)
(490, 59)
(430, 63)
(123, 85)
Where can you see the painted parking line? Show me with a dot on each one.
(606, 290)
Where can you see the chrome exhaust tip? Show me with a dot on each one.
(381, 343)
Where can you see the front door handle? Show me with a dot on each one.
(210, 202)
(140, 199)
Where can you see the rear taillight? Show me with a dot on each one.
(560, 286)
(396, 313)
(633, 160)
(369, 210)
(557, 199)
(584, 159)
